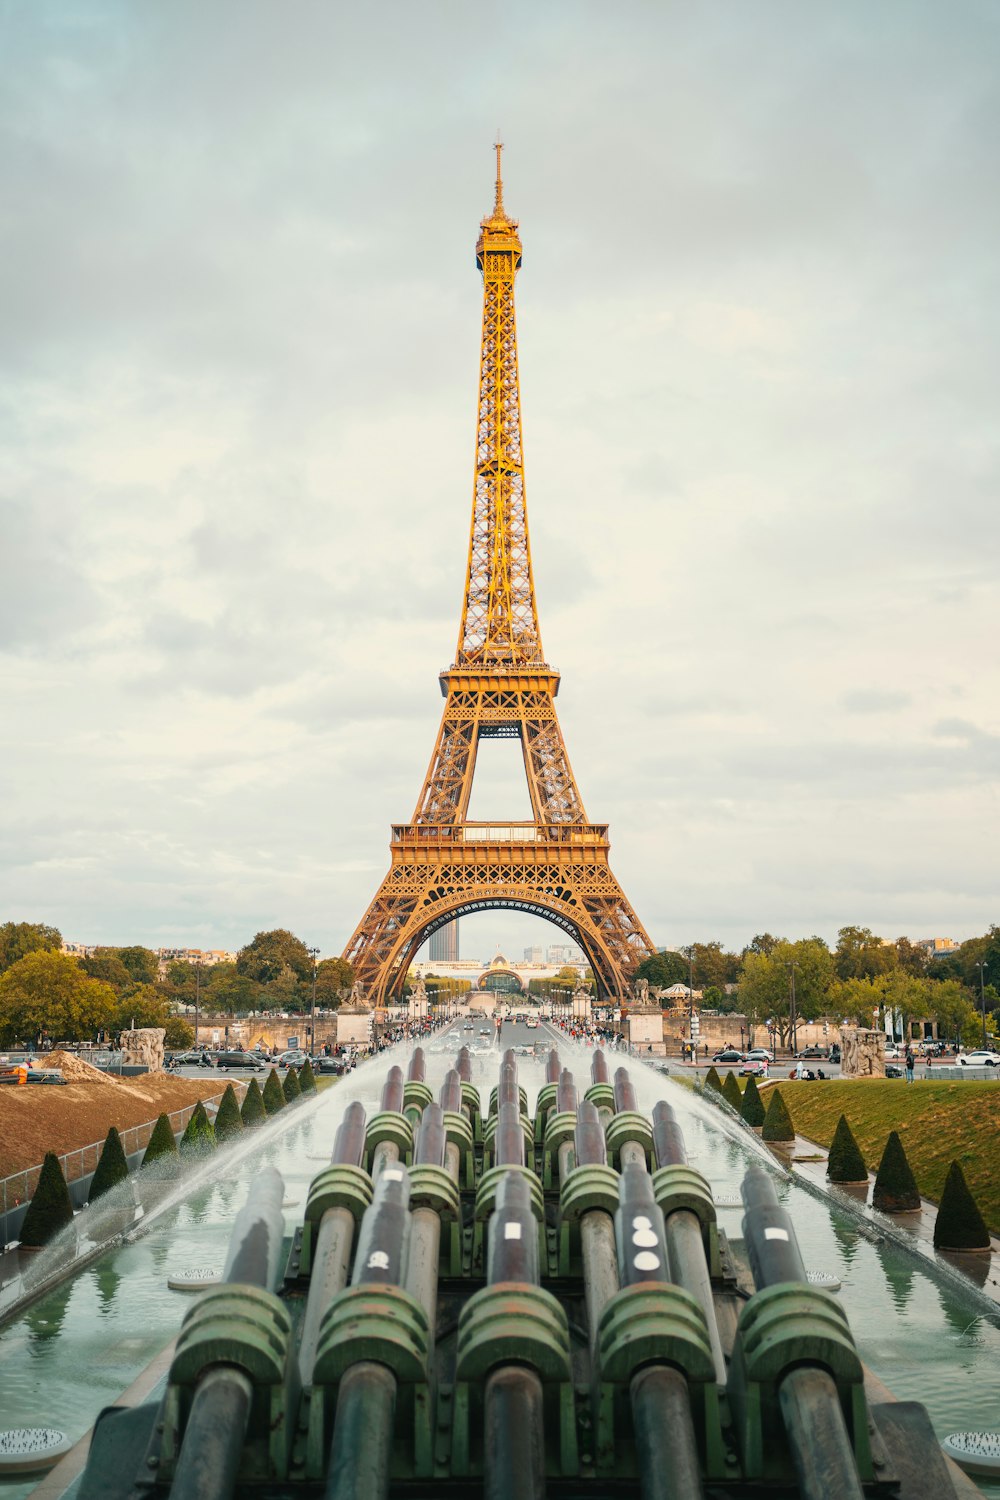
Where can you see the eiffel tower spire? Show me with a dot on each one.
(555, 865)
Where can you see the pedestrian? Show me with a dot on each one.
(909, 1066)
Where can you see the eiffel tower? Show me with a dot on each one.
(499, 686)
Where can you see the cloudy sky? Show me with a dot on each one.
(758, 323)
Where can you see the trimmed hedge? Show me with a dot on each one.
(160, 1155)
(731, 1091)
(291, 1088)
(252, 1110)
(112, 1167)
(712, 1080)
(777, 1122)
(273, 1094)
(959, 1224)
(199, 1134)
(896, 1190)
(50, 1209)
(228, 1121)
(845, 1162)
(752, 1108)
(307, 1079)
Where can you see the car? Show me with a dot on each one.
(727, 1055)
(249, 1060)
(468, 1026)
(892, 1053)
(892, 1071)
(292, 1059)
(760, 1054)
(531, 1024)
(334, 1065)
(981, 1057)
(485, 1031)
(812, 1052)
(754, 1067)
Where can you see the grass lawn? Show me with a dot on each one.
(938, 1123)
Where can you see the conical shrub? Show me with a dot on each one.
(752, 1108)
(199, 1134)
(712, 1080)
(273, 1094)
(291, 1088)
(959, 1224)
(161, 1153)
(228, 1121)
(845, 1162)
(112, 1167)
(252, 1110)
(731, 1091)
(50, 1209)
(307, 1080)
(895, 1190)
(777, 1122)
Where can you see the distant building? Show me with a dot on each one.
(444, 944)
(534, 955)
(937, 947)
(564, 953)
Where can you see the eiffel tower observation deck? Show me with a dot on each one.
(500, 685)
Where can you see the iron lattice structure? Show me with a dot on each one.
(499, 685)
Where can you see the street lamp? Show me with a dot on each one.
(197, 998)
(314, 955)
(792, 1028)
(982, 995)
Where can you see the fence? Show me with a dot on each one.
(20, 1186)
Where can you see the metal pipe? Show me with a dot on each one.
(665, 1443)
(513, 1435)
(689, 1268)
(552, 1067)
(386, 1154)
(425, 1225)
(772, 1248)
(258, 1233)
(600, 1264)
(392, 1090)
(450, 1097)
(463, 1063)
(508, 1142)
(566, 1100)
(817, 1436)
(668, 1142)
(588, 1137)
(599, 1068)
(624, 1092)
(349, 1142)
(632, 1154)
(361, 1452)
(210, 1455)
(415, 1072)
(331, 1255)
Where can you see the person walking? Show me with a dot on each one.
(909, 1065)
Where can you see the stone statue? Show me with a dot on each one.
(144, 1048)
(642, 992)
(862, 1053)
(419, 991)
(357, 993)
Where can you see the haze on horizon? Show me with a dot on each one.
(759, 360)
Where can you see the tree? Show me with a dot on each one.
(663, 970)
(225, 992)
(895, 1190)
(253, 1111)
(112, 1168)
(332, 976)
(778, 1125)
(141, 963)
(18, 939)
(752, 1108)
(160, 1156)
(862, 955)
(269, 953)
(228, 1120)
(105, 964)
(273, 1094)
(50, 1210)
(766, 983)
(714, 968)
(143, 1006)
(291, 1088)
(712, 1080)
(731, 1091)
(911, 958)
(845, 1162)
(178, 1034)
(959, 1224)
(763, 944)
(48, 993)
(307, 1080)
(199, 1133)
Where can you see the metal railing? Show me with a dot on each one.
(500, 833)
(19, 1187)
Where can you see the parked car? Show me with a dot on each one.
(981, 1057)
(760, 1054)
(893, 1053)
(728, 1055)
(292, 1059)
(891, 1071)
(754, 1067)
(812, 1052)
(248, 1060)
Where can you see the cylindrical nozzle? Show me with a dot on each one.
(392, 1090)
(566, 1093)
(552, 1067)
(507, 1089)
(624, 1091)
(772, 1248)
(668, 1142)
(450, 1096)
(431, 1139)
(415, 1072)
(385, 1230)
(349, 1142)
(588, 1138)
(464, 1065)
(258, 1232)
(642, 1250)
(599, 1068)
(513, 1243)
(508, 1143)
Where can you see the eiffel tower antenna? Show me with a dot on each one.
(499, 686)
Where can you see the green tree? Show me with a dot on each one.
(142, 1006)
(862, 955)
(228, 992)
(663, 969)
(332, 976)
(160, 1156)
(291, 1088)
(253, 1111)
(845, 1162)
(752, 1108)
(105, 964)
(141, 963)
(895, 1190)
(307, 1080)
(48, 993)
(18, 939)
(199, 1133)
(178, 1033)
(911, 958)
(50, 1210)
(778, 1125)
(228, 1121)
(273, 1094)
(765, 990)
(112, 1168)
(712, 1080)
(959, 1224)
(763, 944)
(714, 968)
(264, 958)
(731, 1091)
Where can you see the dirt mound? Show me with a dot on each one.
(74, 1067)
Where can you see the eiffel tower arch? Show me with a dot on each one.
(499, 686)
